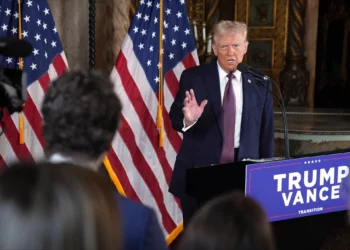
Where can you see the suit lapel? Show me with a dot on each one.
(213, 86)
(248, 84)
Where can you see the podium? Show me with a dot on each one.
(304, 232)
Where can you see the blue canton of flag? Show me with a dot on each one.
(178, 39)
(38, 28)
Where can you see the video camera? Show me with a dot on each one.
(13, 81)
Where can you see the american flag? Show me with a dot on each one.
(143, 168)
(45, 63)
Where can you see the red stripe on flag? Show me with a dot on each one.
(44, 81)
(189, 61)
(2, 164)
(59, 65)
(146, 173)
(122, 176)
(12, 136)
(33, 116)
(173, 136)
(172, 83)
(144, 115)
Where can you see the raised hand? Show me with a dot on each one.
(191, 110)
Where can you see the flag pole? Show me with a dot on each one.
(21, 119)
(160, 89)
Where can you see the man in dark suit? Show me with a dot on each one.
(81, 114)
(223, 115)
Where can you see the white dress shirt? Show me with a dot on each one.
(238, 89)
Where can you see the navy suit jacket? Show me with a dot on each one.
(202, 143)
(140, 227)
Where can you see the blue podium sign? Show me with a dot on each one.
(300, 187)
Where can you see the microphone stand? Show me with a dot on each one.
(283, 109)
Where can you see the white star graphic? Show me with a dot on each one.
(38, 22)
(8, 12)
(149, 4)
(179, 14)
(163, 37)
(45, 54)
(15, 15)
(156, 79)
(44, 26)
(25, 33)
(27, 18)
(187, 31)
(36, 52)
(176, 28)
(153, 34)
(30, 3)
(182, 2)
(14, 30)
(168, 11)
(136, 29)
(138, 15)
(141, 46)
(33, 66)
(159, 65)
(171, 56)
(146, 18)
(157, 5)
(54, 30)
(183, 45)
(37, 37)
(166, 24)
(4, 27)
(173, 42)
(143, 32)
(45, 41)
(53, 44)
(9, 60)
(142, 2)
(150, 48)
(46, 11)
(155, 20)
(149, 63)
(38, 6)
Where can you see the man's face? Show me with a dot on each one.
(230, 49)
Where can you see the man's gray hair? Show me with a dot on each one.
(225, 26)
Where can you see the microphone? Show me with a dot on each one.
(245, 68)
(14, 47)
(259, 76)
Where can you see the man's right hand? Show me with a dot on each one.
(191, 110)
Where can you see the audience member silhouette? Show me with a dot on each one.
(45, 207)
(229, 222)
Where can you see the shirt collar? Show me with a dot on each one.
(223, 73)
(60, 158)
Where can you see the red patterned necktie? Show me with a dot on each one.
(229, 122)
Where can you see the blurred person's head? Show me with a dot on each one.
(229, 222)
(81, 114)
(45, 207)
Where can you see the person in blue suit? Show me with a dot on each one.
(223, 115)
(81, 114)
